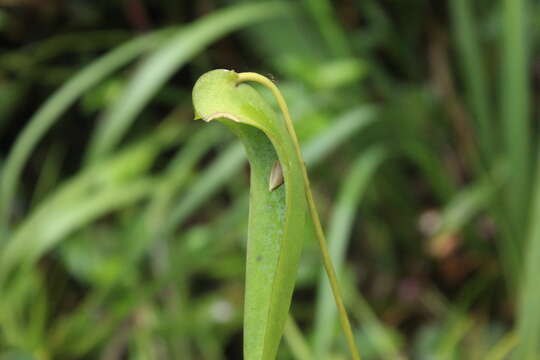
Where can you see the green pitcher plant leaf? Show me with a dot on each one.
(281, 204)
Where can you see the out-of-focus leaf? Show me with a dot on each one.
(339, 233)
(100, 189)
(47, 115)
(159, 67)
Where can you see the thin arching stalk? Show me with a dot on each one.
(327, 261)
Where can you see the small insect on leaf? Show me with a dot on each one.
(276, 177)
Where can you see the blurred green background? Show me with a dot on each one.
(123, 222)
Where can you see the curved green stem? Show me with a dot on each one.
(327, 261)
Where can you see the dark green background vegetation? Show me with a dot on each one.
(123, 222)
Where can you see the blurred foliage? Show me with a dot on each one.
(123, 222)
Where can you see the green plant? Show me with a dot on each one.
(277, 219)
(417, 129)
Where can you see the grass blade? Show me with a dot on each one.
(501, 350)
(476, 79)
(222, 169)
(515, 112)
(528, 323)
(159, 67)
(56, 105)
(332, 32)
(345, 126)
(296, 341)
(339, 232)
(94, 192)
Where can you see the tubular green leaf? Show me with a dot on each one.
(277, 219)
